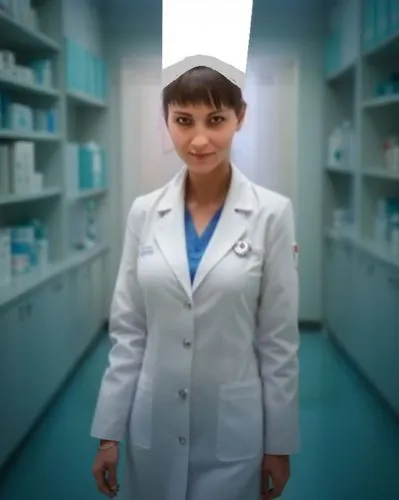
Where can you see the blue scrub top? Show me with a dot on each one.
(196, 245)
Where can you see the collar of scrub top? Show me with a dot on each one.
(174, 71)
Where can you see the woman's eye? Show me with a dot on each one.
(181, 120)
(216, 120)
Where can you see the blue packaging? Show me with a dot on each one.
(85, 168)
(42, 72)
(51, 121)
(23, 248)
(5, 115)
(103, 80)
(90, 73)
(70, 69)
(104, 173)
(80, 57)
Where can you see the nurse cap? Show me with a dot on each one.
(195, 33)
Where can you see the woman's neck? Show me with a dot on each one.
(208, 189)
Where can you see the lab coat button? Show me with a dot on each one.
(186, 344)
(188, 305)
(183, 393)
(182, 440)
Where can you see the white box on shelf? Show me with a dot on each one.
(43, 252)
(7, 61)
(36, 185)
(5, 170)
(23, 166)
(5, 257)
(24, 74)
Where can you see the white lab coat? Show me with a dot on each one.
(203, 378)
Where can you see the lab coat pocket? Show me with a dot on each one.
(141, 420)
(240, 421)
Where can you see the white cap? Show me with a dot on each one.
(196, 33)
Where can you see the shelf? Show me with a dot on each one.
(379, 251)
(90, 193)
(10, 83)
(379, 102)
(380, 173)
(345, 72)
(25, 284)
(340, 170)
(28, 136)
(82, 99)
(21, 198)
(388, 46)
(22, 37)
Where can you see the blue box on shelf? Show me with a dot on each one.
(102, 80)
(71, 76)
(85, 168)
(104, 172)
(5, 104)
(97, 77)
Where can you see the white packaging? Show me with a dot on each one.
(339, 218)
(5, 257)
(22, 166)
(43, 252)
(7, 61)
(97, 169)
(5, 170)
(24, 74)
(392, 158)
(20, 264)
(36, 184)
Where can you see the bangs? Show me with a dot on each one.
(205, 86)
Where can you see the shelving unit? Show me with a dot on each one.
(50, 314)
(79, 117)
(361, 269)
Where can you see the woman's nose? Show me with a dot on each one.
(199, 141)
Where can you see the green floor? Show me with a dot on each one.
(350, 443)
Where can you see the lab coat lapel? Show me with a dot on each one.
(231, 226)
(170, 231)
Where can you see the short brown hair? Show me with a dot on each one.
(203, 85)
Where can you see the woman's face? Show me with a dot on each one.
(203, 135)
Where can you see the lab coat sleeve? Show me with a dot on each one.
(128, 336)
(278, 336)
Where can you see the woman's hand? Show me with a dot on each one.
(105, 468)
(277, 469)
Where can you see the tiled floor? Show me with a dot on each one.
(350, 444)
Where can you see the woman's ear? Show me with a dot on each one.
(241, 115)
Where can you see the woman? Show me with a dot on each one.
(203, 374)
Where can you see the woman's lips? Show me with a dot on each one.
(201, 155)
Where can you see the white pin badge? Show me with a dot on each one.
(295, 251)
(242, 248)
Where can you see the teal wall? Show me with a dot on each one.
(284, 27)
